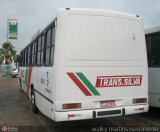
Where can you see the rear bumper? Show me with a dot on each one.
(99, 113)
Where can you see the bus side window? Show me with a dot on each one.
(36, 51)
(21, 58)
(27, 57)
(48, 43)
(24, 58)
(42, 50)
(30, 54)
(148, 44)
(39, 52)
(153, 48)
(52, 46)
(25, 54)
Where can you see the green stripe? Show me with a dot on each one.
(87, 83)
(26, 75)
(24, 82)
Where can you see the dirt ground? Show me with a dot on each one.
(16, 115)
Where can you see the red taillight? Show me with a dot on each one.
(139, 100)
(141, 109)
(72, 115)
(72, 106)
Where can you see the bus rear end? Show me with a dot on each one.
(100, 65)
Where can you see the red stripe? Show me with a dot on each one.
(79, 84)
(29, 79)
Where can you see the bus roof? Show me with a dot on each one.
(85, 11)
(152, 30)
(102, 12)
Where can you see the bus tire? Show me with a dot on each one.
(33, 103)
(20, 83)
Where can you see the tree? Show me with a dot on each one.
(1, 55)
(7, 52)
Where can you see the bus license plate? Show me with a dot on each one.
(108, 103)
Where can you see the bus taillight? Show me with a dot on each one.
(139, 100)
(72, 106)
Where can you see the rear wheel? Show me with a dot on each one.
(20, 83)
(34, 107)
(13, 76)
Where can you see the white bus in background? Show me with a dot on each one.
(87, 64)
(153, 52)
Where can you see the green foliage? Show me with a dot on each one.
(1, 55)
(7, 51)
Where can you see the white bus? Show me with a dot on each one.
(153, 51)
(87, 64)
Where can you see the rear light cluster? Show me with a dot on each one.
(141, 109)
(71, 106)
(139, 100)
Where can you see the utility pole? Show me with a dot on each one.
(7, 30)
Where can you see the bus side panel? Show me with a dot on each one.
(44, 89)
(41, 78)
(23, 74)
(154, 89)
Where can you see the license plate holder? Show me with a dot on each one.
(108, 103)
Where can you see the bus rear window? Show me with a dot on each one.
(100, 38)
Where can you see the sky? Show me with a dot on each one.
(34, 14)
